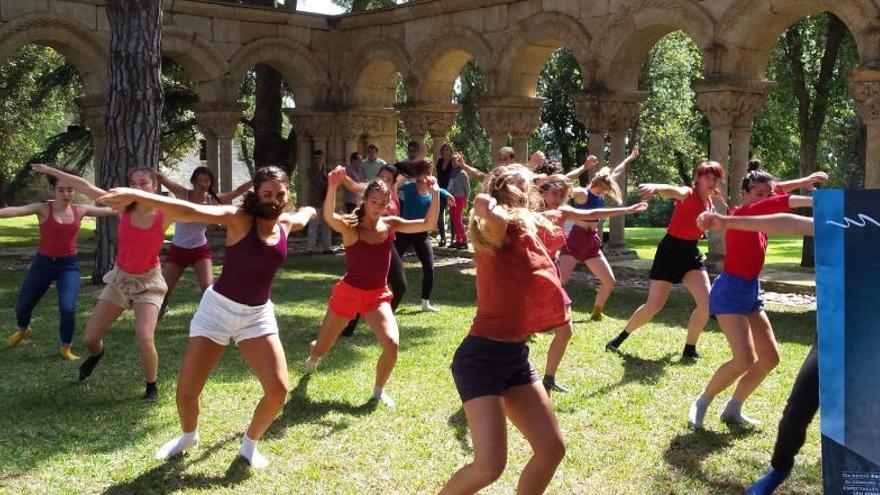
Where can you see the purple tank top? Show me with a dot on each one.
(249, 268)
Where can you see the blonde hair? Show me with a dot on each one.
(555, 181)
(510, 185)
(603, 179)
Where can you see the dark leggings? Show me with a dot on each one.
(396, 282)
(441, 224)
(803, 402)
(422, 245)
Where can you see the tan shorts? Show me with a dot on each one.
(125, 289)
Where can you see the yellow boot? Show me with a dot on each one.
(66, 353)
(16, 338)
(597, 313)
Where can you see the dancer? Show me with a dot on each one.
(491, 369)
(56, 260)
(554, 192)
(584, 241)
(189, 246)
(734, 301)
(368, 235)
(237, 306)
(416, 198)
(135, 282)
(396, 274)
(678, 259)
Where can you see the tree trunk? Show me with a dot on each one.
(269, 147)
(134, 108)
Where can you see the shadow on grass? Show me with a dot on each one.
(638, 370)
(687, 451)
(168, 477)
(301, 409)
(458, 422)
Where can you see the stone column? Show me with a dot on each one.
(313, 131)
(618, 224)
(749, 104)
(864, 87)
(220, 120)
(432, 118)
(380, 128)
(92, 110)
(212, 152)
(517, 116)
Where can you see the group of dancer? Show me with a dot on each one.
(524, 232)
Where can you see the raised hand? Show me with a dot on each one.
(590, 162)
(119, 198)
(431, 182)
(816, 177)
(536, 159)
(634, 153)
(637, 208)
(335, 177)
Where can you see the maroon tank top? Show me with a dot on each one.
(249, 268)
(367, 264)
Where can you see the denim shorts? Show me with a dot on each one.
(734, 295)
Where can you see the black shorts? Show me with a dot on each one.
(484, 366)
(674, 258)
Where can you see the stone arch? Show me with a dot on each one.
(371, 68)
(201, 61)
(85, 51)
(438, 61)
(636, 27)
(749, 29)
(302, 70)
(529, 45)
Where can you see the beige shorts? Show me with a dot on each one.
(126, 289)
(221, 319)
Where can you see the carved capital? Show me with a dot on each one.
(864, 88)
(219, 118)
(728, 104)
(316, 125)
(608, 112)
(93, 113)
(518, 116)
(422, 118)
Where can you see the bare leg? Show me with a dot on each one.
(103, 316)
(145, 317)
(601, 269)
(171, 272)
(204, 273)
(330, 329)
(488, 427)
(384, 326)
(736, 330)
(561, 337)
(529, 409)
(768, 356)
(265, 356)
(658, 292)
(566, 267)
(199, 359)
(697, 283)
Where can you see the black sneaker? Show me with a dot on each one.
(551, 386)
(612, 345)
(691, 352)
(85, 369)
(151, 393)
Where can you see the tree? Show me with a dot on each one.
(467, 134)
(560, 134)
(134, 108)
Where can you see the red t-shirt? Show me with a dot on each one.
(683, 224)
(745, 251)
(518, 289)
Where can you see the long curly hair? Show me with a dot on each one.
(603, 179)
(510, 185)
(251, 203)
(355, 218)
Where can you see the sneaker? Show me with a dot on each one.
(85, 369)
(427, 307)
(17, 336)
(151, 393)
(612, 345)
(551, 386)
(691, 352)
(768, 483)
(442, 243)
(66, 353)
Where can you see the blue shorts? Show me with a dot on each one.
(732, 295)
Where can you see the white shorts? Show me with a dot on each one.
(220, 319)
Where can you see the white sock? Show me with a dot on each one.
(311, 365)
(180, 444)
(426, 306)
(379, 394)
(249, 451)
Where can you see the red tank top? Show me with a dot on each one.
(518, 289)
(249, 268)
(59, 239)
(367, 264)
(683, 224)
(137, 249)
(553, 241)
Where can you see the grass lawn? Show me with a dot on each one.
(624, 424)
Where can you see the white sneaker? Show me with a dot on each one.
(426, 306)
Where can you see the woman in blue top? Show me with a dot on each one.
(415, 197)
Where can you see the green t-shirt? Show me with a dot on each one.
(371, 167)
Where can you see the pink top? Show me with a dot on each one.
(137, 249)
(58, 240)
(367, 264)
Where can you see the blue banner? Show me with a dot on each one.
(847, 229)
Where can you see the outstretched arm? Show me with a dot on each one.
(796, 201)
(779, 223)
(589, 164)
(471, 171)
(809, 182)
(96, 211)
(298, 221)
(79, 184)
(647, 191)
(21, 211)
(569, 213)
(621, 167)
(354, 186)
(227, 197)
(175, 209)
(176, 189)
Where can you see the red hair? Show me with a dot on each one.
(709, 168)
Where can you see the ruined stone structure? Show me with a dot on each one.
(342, 69)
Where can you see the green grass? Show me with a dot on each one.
(24, 231)
(783, 252)
(624, 423)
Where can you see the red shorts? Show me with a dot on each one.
(186, 256)
(582, 244)
(347, 301)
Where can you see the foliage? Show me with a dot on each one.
(561, 135)
(180, 134)
(361, 5)
(467, 134)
